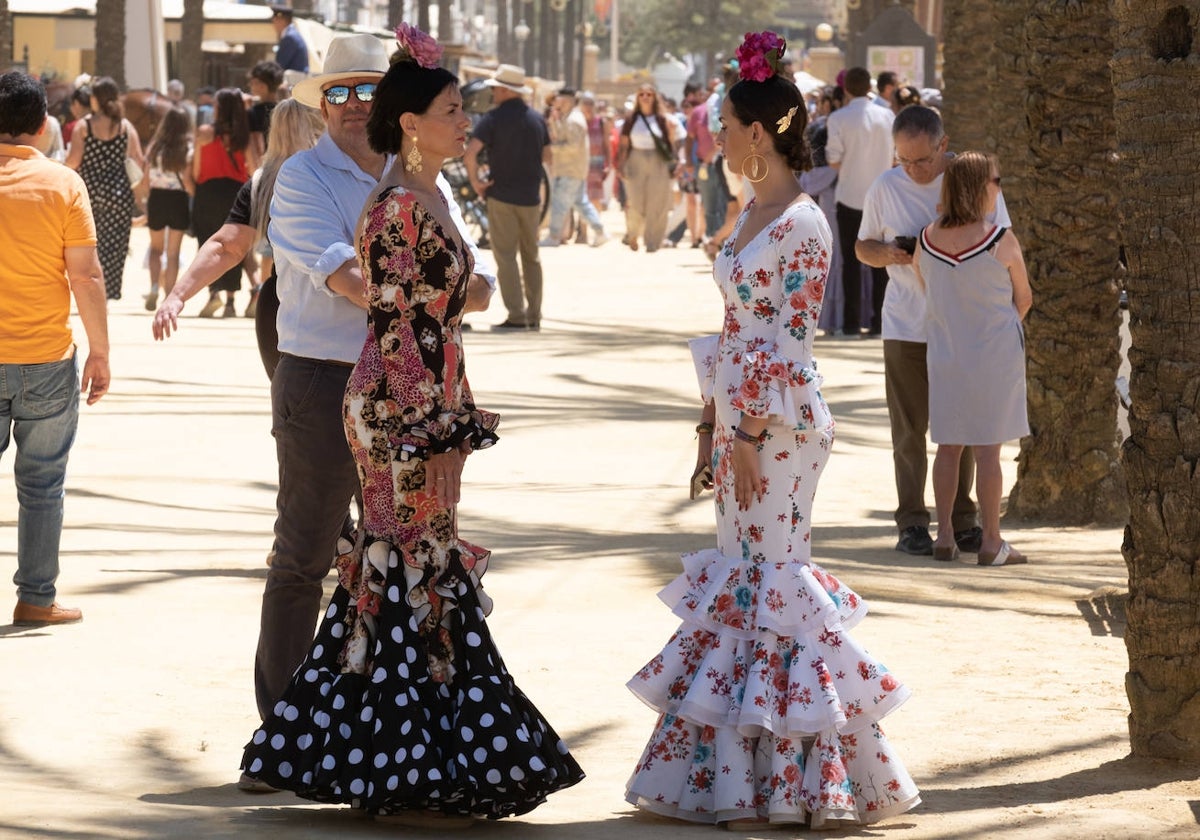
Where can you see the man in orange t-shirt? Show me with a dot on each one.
(47, 254)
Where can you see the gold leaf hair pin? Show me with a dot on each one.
(785, 121)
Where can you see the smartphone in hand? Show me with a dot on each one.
(908, 244)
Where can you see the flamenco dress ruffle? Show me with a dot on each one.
(768, 708)
(404, 702)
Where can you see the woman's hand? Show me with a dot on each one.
(443, 477)
(747, 476)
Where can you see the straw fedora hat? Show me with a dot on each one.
(509, 76)
(348, 57)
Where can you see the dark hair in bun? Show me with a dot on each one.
(767, 102)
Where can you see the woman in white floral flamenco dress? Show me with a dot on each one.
(768, 708)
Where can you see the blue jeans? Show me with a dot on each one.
(565, 194)
(39, 409)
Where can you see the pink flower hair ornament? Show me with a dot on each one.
(420, 46)
(760, 56)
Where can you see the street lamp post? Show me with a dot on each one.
(521, 33)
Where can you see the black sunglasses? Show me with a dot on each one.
(340, 94)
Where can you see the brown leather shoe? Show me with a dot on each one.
(27, 614)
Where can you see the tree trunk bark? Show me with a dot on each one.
(395, 13)
(6, 37)
(191, 51)
(445, 24)
(1155, 77)
(1010, 129)
(1069, 470)
(110, 40)
(969, 72)
(423, 15)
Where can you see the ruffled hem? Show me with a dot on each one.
(449, 431)
(776, 386)
(401, 737)
(728, 595)
(790, 687)
(708, 775)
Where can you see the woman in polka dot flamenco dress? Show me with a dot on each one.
(768, 709)
(403, 706)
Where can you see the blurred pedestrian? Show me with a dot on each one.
(291, 51)
(100, 143)
(518, 147)
(221, 162)
(859, 148)
(168, 207)
(569, 150)
(48, 240)
(265, 80)
(646, 161)
(599, 152)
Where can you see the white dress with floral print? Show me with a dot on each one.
(768, 708)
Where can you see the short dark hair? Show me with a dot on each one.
(767, 102)
(22, 104)
(857, 81)
(918, 119)
(887, 77)
(285, 12)
(568, 91)
(405, 88)
(269, 73)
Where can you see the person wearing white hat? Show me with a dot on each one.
(322, 321)
(518, 146)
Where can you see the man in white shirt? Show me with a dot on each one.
(859, 147)
(899, 204)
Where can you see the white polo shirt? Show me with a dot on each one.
(860, 139)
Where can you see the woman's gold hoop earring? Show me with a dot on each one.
(412, 160)
(758, 164)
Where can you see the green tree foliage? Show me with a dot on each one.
(706, 27)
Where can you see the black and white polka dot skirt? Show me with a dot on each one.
(394, 738)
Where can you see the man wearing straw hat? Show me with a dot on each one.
(518, 145)
(319, 195)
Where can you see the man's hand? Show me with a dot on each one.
(94, 378)
(878, 254)
(479, 294)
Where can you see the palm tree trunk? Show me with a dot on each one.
(1010, 130)
(969, 71)
(445, 25)
(1068, 469)
(110, 40)
(1158, 131)
(191, 51)
(423, 15)
(6, 37)
(395, 13)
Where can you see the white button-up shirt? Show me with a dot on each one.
(860, 139)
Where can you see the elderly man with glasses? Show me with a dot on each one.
(898, 204)
(319, 195)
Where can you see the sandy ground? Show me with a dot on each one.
(131, 725)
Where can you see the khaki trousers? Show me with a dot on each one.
(906, 383)
(513, 230)
(647, 197)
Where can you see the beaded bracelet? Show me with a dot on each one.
(746, 437)
(704, 428)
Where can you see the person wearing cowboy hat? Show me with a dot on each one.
(319, 194)
(518, 146)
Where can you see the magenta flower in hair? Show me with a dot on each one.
(420, 46)
(760, 56)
